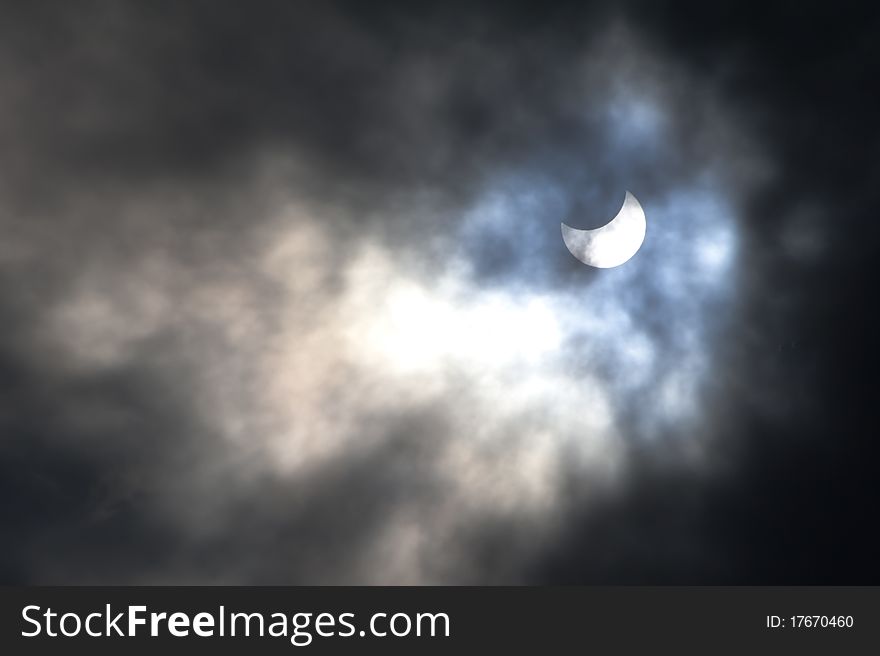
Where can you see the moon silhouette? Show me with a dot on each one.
(612, 244)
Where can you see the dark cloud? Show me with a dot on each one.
(266, 320)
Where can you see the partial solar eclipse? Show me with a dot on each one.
(612, 244)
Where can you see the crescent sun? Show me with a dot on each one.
(612, 244)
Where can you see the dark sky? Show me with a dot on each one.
(284, 297)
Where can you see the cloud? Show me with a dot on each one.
(285, 300)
